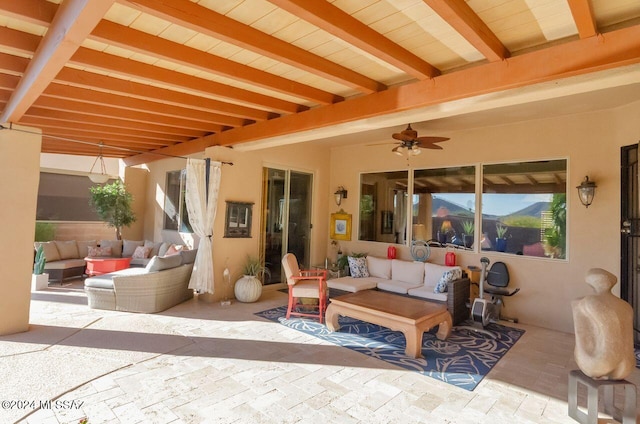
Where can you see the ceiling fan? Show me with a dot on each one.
(411, 144)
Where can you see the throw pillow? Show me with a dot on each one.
(96, 252)
(115, 245)
(130, 246)
(447, 276)
(174, 249)
(67, 249)
(50, 250)
(358, 267)
(141, 252)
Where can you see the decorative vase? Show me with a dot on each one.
(467, 240)
(39, 281)
(501, 244)
(248, 289)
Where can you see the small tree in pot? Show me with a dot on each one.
(112, 203)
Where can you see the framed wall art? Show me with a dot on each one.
(237, 223)
(340, 226)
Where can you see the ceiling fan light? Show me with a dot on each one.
(415, 150)
(397, 150)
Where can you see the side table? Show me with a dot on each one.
(332, 271)
(104, 265)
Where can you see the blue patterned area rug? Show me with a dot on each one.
(462, 360)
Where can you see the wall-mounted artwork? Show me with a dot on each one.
(238, 220)
(340, 226)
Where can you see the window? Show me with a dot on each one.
(443, 205)
(524, 208)
(383, 207)
(175, 207)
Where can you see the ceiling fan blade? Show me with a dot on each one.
(429, 146)
(429, 139)
(404, 138)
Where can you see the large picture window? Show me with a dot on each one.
(443, 206)
(175, 207)
(523, 207)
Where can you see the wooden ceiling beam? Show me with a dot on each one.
(142, 42)
(27, 43)
(107, 139)
(93, 97)
(583, 17)
(87, 79)
(73, 21)
(335, 21)
(618, 48)
(142, 136)
(78, 118)
(127, 103)
(203, 20)
(127, 115)
(467, 23)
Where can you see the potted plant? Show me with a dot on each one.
(112, 203)
(249, 287)
(39, 279)
(501, 240)
(467, 233)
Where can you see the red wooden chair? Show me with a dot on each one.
(305, 284)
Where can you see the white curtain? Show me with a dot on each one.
(202, 213)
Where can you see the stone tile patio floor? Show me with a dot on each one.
(200, 362)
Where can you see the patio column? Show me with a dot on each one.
(19, 178)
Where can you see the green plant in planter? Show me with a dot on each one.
(253, 267)
(40, 261)
(468, 227)
(343, 261)
(112, 203)
(501, 230)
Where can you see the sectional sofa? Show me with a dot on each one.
(65, 259)
(163, 283)
(426, 280)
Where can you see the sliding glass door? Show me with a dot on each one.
(286, 218)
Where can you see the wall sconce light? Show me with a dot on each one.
(340, 194)
(102, 177)
(586, 191)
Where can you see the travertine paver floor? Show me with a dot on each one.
(200, 362)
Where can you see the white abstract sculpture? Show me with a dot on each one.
(604, 330)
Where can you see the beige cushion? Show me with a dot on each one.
(67, 249)
(50, 250)
(83, 247)
(433, 272)
(162, 250)
(115, 245)
(188, 256)
(407, 272)
(379, 267)
(129, 246)
(353, 285)
(64, 264)
(155, 247)
(159, 263)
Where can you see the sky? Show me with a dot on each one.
(495, 204)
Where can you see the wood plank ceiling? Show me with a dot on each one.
(153, 77)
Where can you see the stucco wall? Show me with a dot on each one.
(591, 142)
(19, 171)
(243, 182)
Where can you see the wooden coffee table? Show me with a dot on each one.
(99, 266)
(410, 316)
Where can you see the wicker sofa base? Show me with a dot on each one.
(145, 292)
